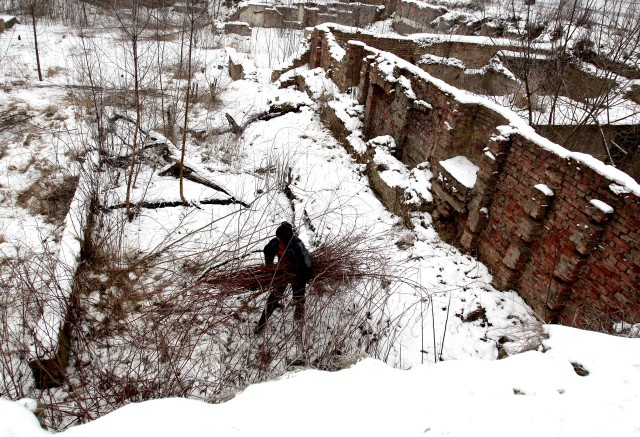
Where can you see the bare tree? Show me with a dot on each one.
(196, 13)
(578, 83)
(133, 22)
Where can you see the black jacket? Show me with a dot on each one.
(295, 253)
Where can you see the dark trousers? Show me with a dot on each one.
(273, 302)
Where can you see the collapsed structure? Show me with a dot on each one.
(559, 226)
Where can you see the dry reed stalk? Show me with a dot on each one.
(334, 264)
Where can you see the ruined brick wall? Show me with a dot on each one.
(473, 55)
(568, 258)
(539, 221)
(413, 17)
(403, 48)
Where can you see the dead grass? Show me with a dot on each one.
(50, 111)
(49, 197)
(335, 264)
(54, 71)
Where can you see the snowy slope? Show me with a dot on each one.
(532, 394)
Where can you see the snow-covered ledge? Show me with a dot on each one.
(46, 358)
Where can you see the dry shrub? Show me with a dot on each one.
(335, 264)
(50, 111)
(602, 320)
(522, 338)
(54, 71)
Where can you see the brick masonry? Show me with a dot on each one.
(530, 216)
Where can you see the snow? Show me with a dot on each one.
(387, 63)
(489, 155)
(544, 189)
(607, 209)
(406, 86)
(16, 420)
(424, 5)
(462, 169)
(422, 104)
(408, 324)
(536, 393)
(433, 59)
(619, 189)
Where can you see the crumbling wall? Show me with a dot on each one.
(474, 52)
(7, 22)
(309, 14)
(405, 48)
(563, 229)
(569, 251)
(415, 17)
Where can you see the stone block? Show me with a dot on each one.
(585, 237)
(568, 267)
(476, 220)
(504, 278)
(236, 70)
(529, 229)
(238, 28)
(456, 204)
(559, 294)
(517, 255)
(538, 204)
(468, 240)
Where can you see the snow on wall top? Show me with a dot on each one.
(428, 39)
(544, 189)
(433, 59)
(423, 5)
(516, 124)
(462, 169)
(607, 209)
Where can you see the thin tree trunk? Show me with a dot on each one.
(136, 129)
(186, 115)
(35, 40)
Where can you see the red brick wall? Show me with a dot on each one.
(581, 264)
(570, 261)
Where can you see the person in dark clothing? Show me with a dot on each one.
(292, 254)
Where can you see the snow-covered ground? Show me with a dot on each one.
(151, 325)
(576, 384)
